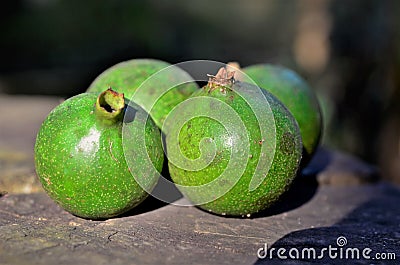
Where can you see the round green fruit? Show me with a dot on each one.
(296, 95)
(234, 149)
(158, 96)
(80, 155)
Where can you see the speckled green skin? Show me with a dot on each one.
(239, 201)
(81, 164)
(297, 96)
(126, 77)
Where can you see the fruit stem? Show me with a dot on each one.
(223, 79)
(109, 107)
(235, 67)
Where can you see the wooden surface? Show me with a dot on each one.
(338, 196)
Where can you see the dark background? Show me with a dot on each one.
(349, 51)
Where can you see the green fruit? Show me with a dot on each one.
(296, 95)
(219, 143)
(80, 156)
(126, 77)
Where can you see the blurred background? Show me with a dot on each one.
(348, 51)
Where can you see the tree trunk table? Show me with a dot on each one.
(336, 196)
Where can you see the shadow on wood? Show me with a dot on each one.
(374, 225)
